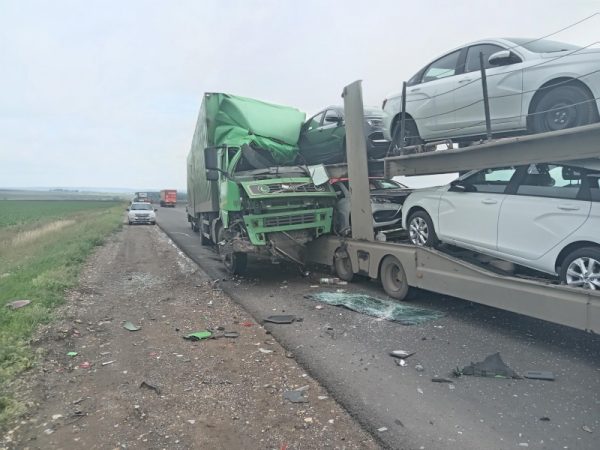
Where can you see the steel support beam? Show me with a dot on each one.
(565, 145)
(356, 149)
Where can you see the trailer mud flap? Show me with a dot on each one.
(364, 262)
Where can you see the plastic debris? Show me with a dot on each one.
(85, 365)
(382, 429)
(308, 420)
(333, 280)
(491, 366)
(441, 380)
(419, 368)
(296, 396)
(377, 307)
(108, 362)
(150, 386)
(284, 319)
(586, 429)
(246, 324)
(545, 419)
(401, 353)
(198, 335)
(400, 362)
(539, 375)
(419, 390)
(231, 334)
(16, 304)
(130, 326)
(72, 354)
(264, 350)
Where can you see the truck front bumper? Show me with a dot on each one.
(259, 225)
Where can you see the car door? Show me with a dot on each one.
(505, 91)
(470, 216)
(545, 209)
(332, 136)
(310, 137)
(430, 101)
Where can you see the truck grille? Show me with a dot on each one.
(297, 219)
(294, 187)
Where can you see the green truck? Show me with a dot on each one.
(246, 194)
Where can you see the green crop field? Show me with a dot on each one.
(42, 247)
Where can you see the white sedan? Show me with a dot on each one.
(533, 86)
(542, 216)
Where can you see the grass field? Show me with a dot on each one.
(42, 247)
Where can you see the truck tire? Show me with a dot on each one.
(343, 265)
(235, 262)
(393, 278)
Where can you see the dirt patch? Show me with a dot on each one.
(152, 389)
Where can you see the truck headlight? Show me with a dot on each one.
(380, 200)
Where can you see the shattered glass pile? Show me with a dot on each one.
(377, 307)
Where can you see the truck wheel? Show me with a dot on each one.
(581, 268)
(235, 262)
(343, 265)
(421, 231)
(194, 226)
(393, 278)
(203, 239)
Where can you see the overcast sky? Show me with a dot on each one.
(106, 93)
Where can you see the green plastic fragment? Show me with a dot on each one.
(378, 307)
(131, 327)
(198, 335)
(71, 354)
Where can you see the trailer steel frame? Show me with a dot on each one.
(435, 271)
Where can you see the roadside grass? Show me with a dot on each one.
(40, 267)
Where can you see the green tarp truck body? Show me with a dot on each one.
(252, 198)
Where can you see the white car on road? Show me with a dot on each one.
(141, 212)
(542, 216)
(533, 86)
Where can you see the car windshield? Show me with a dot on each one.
(373, 112)
(141, 206)
(543, 45)
(385, 184)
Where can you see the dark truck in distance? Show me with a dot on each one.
(168, 198)
(245, 192)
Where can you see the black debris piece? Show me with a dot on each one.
(151, 387)
(491, 366)
(282, 319)
(539, 375)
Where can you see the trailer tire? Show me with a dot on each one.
(343, 265)
(203, 239)
(194, 226)
(393, 278)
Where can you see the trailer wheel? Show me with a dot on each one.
(393, 278)
(343, 265)
(194, 226)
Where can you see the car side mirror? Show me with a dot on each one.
(501, 58)
(460, 186)
(126, 209)
(155, 209)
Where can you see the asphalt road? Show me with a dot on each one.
(348, 353)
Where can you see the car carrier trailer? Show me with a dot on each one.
(402, 266)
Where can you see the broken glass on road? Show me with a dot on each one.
(378, 307)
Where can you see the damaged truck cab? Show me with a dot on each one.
(244, 193)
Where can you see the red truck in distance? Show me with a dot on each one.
(168, 197)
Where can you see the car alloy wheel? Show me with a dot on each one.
(418, 231)
(584, 272)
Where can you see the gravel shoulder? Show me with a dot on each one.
(224, 393)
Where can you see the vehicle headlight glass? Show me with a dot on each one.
(380, 200)
(375, 122)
